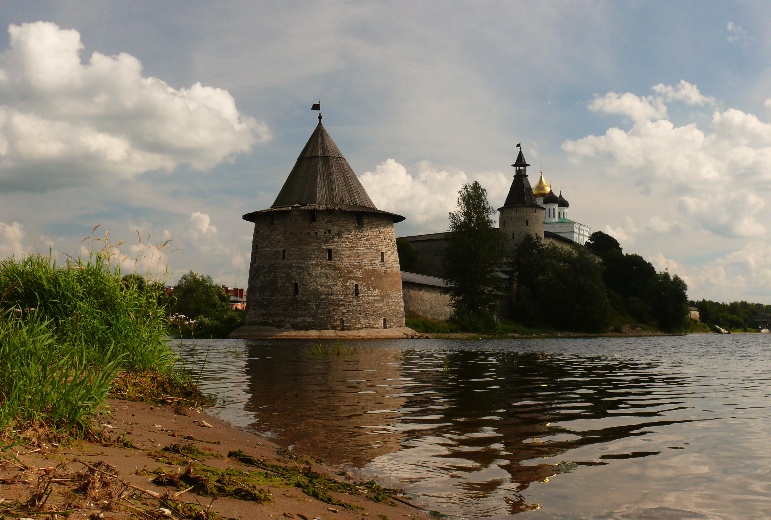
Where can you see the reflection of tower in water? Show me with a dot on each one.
(338, 402)
(494, 423)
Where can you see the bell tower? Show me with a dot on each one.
(520, 215)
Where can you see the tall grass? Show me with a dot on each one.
(66, 331)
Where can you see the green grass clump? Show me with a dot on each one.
(432, 326)
(65, 333)
(46, 381)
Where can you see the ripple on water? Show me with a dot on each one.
(579, 428)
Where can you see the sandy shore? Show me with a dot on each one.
(146, 441)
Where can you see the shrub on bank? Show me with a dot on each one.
(66, 331)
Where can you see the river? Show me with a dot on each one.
(628, 428)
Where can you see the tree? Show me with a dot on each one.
(669, 302)
(629, 275)
(197, 296)
(471, 260)
(559, 288)
(603, 244)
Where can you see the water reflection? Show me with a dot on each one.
(493, 422)
(470, 427)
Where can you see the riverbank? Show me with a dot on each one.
(165, 462)
(260, 332)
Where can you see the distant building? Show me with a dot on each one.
(237, 297)
(527, 210)
(535, 211)
(323, 256)
(556, 214)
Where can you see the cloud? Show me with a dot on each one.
(427, 196)
(727, 214)
(200, 225)
(744, 274)
(685, 92)
(64, 123)
(11, 240)
(699, 176)
(634, 107)
(737, 34)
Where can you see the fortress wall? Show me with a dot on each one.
(428, 249)
(426, 301)
(340, 271)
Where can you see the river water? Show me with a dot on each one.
(628, 428)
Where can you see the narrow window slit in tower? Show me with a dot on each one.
(296, 288)
(382, 256)
(329, 254)
(360, 219)
(283, 254)
(355, 289)
(385, 323)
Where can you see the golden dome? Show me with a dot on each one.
(542, 188)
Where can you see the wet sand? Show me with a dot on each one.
(128, 492)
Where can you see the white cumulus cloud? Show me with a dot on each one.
(65, 122)
(200, 224)
(629, 105)
(714, 178)
(426, 196)
(11, 240)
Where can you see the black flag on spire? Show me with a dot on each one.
(316, 106)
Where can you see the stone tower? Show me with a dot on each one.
(520, 215)
(323, 256)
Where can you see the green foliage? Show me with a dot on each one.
(603, 244)
(45, 380)
(669, 302)
(739, 316)
(474, 253)
(200, 308)
(86, 302)
(560, 288)
(637, 290)
(630, 275)
(65, 332)
(431, 326)
(197, 296)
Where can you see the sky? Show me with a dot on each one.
(148, 129)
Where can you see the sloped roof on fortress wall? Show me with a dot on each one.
(322, 179)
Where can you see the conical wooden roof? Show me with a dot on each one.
(323, 179)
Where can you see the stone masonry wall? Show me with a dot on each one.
(426, 301)
(428, 249)
(516, 223)
(324, 270)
